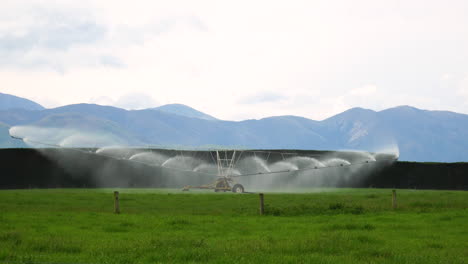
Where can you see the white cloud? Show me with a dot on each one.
(447, 76)
(263, 97)
(135, 101)
(102, 100)
(365, 90)
(462, 92)
(303, 58)
(129, 101)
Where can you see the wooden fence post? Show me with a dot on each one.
(116, 203)
(394, 201)
(262, 206)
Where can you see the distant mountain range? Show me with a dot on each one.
(6, 141)
(8, 101)
(420, 135)
(183, 110)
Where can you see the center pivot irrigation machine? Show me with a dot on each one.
(228, 167)
(225, 181)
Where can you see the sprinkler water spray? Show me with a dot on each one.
(256, 168)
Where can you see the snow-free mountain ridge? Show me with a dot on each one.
(8, 101)
(420, 135)
(183, 110)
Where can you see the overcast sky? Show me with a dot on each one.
(238, 59)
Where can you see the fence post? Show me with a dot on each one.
(262, 206)
(394, 201)
(116, 203)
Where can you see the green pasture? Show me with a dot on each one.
(170, 226)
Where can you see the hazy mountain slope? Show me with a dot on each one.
(357, 128)
(14, 117)
(183, 110)
(283, 132)
(75, 129)
(105, 112)
(13, 102)
(6, 141)
(277, 132)
(428, 135)
(420, 135)
(23, 117)
(156, 127)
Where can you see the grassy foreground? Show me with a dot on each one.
(161, 226)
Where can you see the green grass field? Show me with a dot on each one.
(162, 226)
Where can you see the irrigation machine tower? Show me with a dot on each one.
(225, 163)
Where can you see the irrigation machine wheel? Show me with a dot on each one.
(238, 188)
(220, 187)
